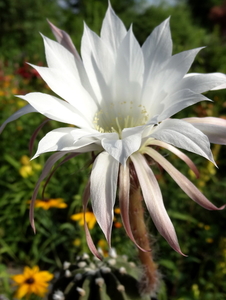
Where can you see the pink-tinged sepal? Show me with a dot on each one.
(154, 202)
(184, 183)
(23, 111)
(124, 198)
(48, 165)
(89, 239)
(34, 135)
(214, 128)
(177, 152)
(64, 39)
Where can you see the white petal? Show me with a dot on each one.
(214, 128)
(156, 49)
(122, 149)
(113, 30)
(167, 79)
(200, 83)
(55, 109)
(186, 185)
(69, 88)
(178, 65)
(67, 139)
(153, 199)
(183, 135)
(177, 101)
(98, 61)
(128, 77)
(103, 186)
(59, 58)
(23, 111)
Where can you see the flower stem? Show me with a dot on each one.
(150, 279)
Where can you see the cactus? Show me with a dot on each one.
(113, 278)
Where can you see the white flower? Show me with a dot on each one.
(58, 295)
(120, 97)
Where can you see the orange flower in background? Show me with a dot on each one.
(32, 281)
(117, 224)
(90, 219)
(49, 203)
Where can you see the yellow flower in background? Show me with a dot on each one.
(32, 281)
(50, 203)
(77, 242)
(28, 167)
(26, 171)
(103, 246)
(90, 219)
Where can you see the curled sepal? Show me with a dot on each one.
(48, 165)
(70, 156)
(23, 111)
(184, 183)
(124, 198)
(89, 239)
(154, 202)
(177, 152)
(34, 135)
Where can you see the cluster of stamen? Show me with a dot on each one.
(117, 116)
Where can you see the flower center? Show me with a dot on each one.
(117, 116)
(30, 280)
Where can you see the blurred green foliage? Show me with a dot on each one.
(201, 275)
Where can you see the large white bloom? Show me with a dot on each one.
(120, 97)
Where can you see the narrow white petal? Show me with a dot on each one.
(55, 109)
(98, 61)
(103, 186)
(122, 149)
(167, 79)
(67, 139)
(178, 65)
(154, 202)
(70, 89)
(200, 83)
(177, 101)
(156, 49)
(186, 185)
(23, 111)
(113, 30)
(183, 135)
(58, 139)
(214, 128)
(128, 77)
(58, 57)
(64, 39)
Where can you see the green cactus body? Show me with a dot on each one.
(91, 279)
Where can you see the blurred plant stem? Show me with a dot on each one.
(149, 279)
